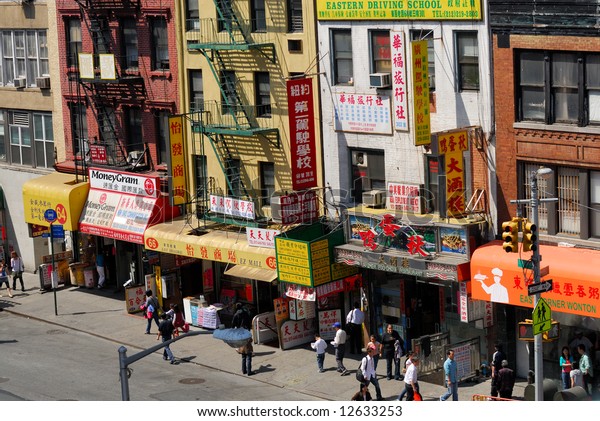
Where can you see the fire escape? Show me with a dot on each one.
(106, 93)
(227, 122)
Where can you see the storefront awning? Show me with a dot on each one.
(119, 216)
(496, 276)
(252, 273)
(179, 237)
(57, 191)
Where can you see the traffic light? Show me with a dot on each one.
(529, 236)
(511, 236)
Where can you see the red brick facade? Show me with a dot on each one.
(161, 87)
(577, 148)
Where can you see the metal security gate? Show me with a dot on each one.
(432, 349)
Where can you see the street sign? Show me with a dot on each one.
(540, 287)
(542, 317)
(58, 231)
(544, 271)
(50, 215)
(525, 264)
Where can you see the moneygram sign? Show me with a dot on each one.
(123, 182)
(399, 10)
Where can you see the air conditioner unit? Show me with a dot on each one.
(374, 198)
(43, 82)
(20, 82)
(380, 80)
(134, 156)
(359, 158)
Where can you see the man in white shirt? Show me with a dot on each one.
(354, 321)
(410, 379)
(367, 367)
(320, 346)
(339, 342)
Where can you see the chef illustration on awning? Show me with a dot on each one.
(498, 292)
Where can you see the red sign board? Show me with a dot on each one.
(302, 133)
(98, 154)
(296, 208)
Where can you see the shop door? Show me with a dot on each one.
(424, 308)
(266, 292)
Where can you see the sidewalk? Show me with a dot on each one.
(102, 313)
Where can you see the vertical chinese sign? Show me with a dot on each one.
(452, 145)
(399, 80)
(302, 133)
(420, 81)
(177, 161)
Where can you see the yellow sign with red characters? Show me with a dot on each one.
(452, 145)
(177, 167)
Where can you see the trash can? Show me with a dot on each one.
(88, 276)
(77, 275)
(45, 280)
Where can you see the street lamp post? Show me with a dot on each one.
(538, 352)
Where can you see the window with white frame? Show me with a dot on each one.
(559, 87)
(594, 204)
(43, 136)
(20, 138)
(467, 61)
(381, 53)
(73, 32)
(24, 55)
(341, 49)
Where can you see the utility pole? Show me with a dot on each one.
(538, 365)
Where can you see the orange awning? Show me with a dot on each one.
(574, 273)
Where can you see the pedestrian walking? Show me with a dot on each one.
(586, 368)
(389, 339)
(377, 345)
(367, 367)
(506, 381)
(354, 321)
(100, 269)
(409, 357)
(450, 374)
(363, 394)
(17, 267)
(4, 278)
(241, 318)
(339, 343)
(411, 385)
(165, 331)
(320, 346)
(150, 308)
(497, 359)
(246, 350)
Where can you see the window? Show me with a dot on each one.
(342, 56)
(263, 94)
(259, 19)
(162, 128)
(381, 54)
(192, 15)
(3, 156)
(101, 37)
(229, 97)
(107, 124)
(467, 58)
(73, 33)
(233, 175)
(267, 182)
(196, 91)
(130, 44)
(595, 204)
(23, 54)
(225, 15)
(368, 172)
(44, 140)
(559, 87)
(160, 44)
(20, 138)
(201, 178)
(79, 128)
(427, 34)
(295, 21)
(133, 121)
(432, 186)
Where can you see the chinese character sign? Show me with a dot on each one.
(399, 80)
(177, 160)
(362, 113)
(302, 133)
(420, 82)
(452, 145)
